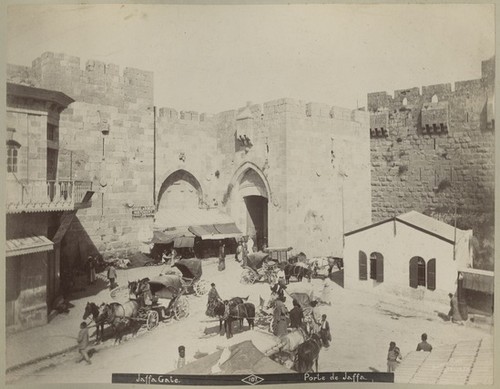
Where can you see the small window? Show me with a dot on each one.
(51, 132)
(12, 159)
(421, 272)
(434, 99)
(405, 101)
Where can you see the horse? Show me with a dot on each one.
(236, 312)
(308, 354)
(221, 311)
(93, 309)
(297, 271)
(119, 316)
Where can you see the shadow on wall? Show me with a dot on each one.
(76, 246)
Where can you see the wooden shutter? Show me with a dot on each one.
(414, 272)
(362, 266)
(431, 274)
(380, 268)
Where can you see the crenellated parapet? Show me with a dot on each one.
(97, 83)
(434, 109)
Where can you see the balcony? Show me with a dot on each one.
(47, 196)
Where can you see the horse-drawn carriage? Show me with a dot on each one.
(149, 301)
(259, 268)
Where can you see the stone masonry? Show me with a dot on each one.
(433, 149)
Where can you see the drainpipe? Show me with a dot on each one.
(154, 155)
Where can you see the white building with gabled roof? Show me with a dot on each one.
(410, 255)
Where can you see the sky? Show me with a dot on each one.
(211, 58)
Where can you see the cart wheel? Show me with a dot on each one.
(152, 320)
(120, 293)
(248, 277)
(201, 287)
(181, 308)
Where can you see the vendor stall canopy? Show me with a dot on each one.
(181, 227)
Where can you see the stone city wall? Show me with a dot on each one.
(437, 150)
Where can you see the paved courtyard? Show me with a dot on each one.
(362, 326)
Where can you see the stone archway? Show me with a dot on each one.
(250, 195)
(180, 190)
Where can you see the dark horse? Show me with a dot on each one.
(297, 271)
(308, 354)
(220, 309)
(93, 309)
(232, 312)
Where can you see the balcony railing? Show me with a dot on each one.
(41, 196)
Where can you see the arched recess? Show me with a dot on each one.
(180, 190)
(247, 199)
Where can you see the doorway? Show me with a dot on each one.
(256, 207)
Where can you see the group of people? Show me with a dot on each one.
(394, 353)
(283, 319)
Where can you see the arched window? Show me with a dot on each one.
(377, 267)
(405, 101)
(12, 148)
(418, 274)
(362, 266)
(431, 274)
(434, 99)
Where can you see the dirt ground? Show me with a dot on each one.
(362, 326)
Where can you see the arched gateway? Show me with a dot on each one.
(248, 206)
(180, 190)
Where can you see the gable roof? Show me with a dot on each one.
(421, 223)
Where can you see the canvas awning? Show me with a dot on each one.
(170, 234)
(478, 280)
(184, 242)
(216, 231)
(28, 245)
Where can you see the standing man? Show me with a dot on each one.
(280, 315)
(324, 332)
(423, 345)
(238, 251)
(244, 254)
(180, 361)
(222, 257)
(393, 357)
(296, 315)
(250, 244)
(111, 276)
(454, 313)
(83, 342)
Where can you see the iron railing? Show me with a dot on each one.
(45, 195)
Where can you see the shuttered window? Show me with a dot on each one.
(377, 267)
(414, 272)
(362, 266)
(431, 274)
(380, 268)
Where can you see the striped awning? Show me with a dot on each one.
(478, 280)
(28, 245)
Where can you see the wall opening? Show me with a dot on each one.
(249, 204)
(180, 190)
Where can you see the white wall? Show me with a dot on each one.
(398, 243)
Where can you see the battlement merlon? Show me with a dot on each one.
(92, 67)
